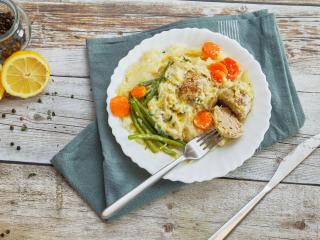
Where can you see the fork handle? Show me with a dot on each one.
(120, 203)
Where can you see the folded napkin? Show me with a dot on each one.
(93, 163)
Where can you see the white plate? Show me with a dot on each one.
(219, 161)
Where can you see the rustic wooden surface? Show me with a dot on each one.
(36, 203)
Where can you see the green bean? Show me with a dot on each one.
(148, 82)
(155, 84)
(141, 116)
(157, 138)
(151, 120)
(149, 144)
(152, 92)
(163, 75)
(135, 122)
(146, 125)
(153, 146)
(145, 112)
(168, 151)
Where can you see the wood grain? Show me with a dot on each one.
(57, 25)
(35, 203)
(262, 2)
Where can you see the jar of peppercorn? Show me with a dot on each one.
(15, 29)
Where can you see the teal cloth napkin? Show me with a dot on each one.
(94, 164)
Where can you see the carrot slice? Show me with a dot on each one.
(232, 67)
(218, 66)
(138, 91)
(210, 49)
(120, 106)
(218, 75)
(203, 120)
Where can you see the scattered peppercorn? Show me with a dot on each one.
(39, 100)
(12, 144)
(32, 175)
(3, 115)
(21, 118)
(7, 231)
(53, 114)
(24, 128)
(47, 93)
(18, 148)
(72, 96)
(11, 127)
(13, 110)
(2, 235)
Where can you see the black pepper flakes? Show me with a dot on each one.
(49, 115)
(72, 96)
(53, 114)
(13, 110)
(11, 127)
(2, 235)
(12, 144)
(39, 100)
(3, 115)
(7, 231)
(21, 118)
(32, 175)
(24, 128)
(18, 148)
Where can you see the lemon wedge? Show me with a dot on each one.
(1, 87)
(25, 74)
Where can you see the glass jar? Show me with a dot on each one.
(18, 35)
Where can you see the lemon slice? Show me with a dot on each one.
(1, 87)
(25, 74)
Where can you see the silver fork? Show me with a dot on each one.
(195, 149)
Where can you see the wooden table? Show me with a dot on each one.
(36, 203)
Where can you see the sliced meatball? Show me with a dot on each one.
(227, 123)
(240, 103)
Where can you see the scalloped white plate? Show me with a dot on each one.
(219, 161)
